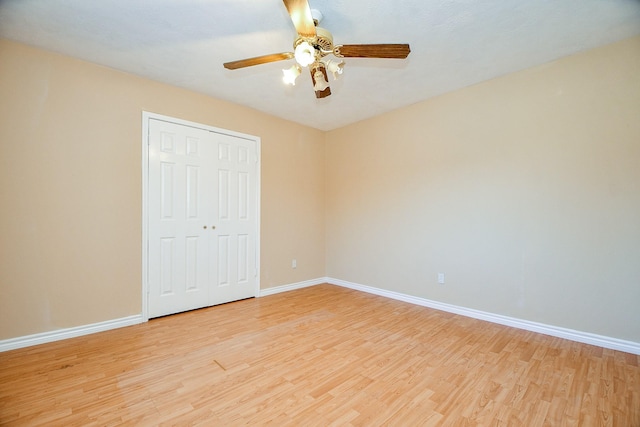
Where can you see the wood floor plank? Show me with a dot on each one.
(322, 356)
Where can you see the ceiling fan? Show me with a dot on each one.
(313, 44)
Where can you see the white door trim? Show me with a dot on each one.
(146, 116)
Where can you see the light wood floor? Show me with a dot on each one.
(319, 356)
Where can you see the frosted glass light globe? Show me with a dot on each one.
(305, 54)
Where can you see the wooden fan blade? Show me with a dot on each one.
(394, 51)
(301, 16)
(264, 59)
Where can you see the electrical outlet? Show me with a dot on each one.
(441, 278)
(294, 263)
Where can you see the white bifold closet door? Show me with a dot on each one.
(201, 218)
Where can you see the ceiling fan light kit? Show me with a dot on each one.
(291, 74)
(305, 54)
(335, 67)
(320, 80)
(313, 44)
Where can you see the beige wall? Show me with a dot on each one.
(524, 191)
(70, 188)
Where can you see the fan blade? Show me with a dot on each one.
(264, 59)
(301, 16)
(394, 51)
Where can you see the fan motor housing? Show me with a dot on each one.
(322, 42)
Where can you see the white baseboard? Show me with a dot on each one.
(61, 334)
(555, 331)
(292, 286)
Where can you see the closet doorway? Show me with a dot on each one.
(201, 216)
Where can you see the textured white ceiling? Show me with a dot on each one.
(454, 43)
